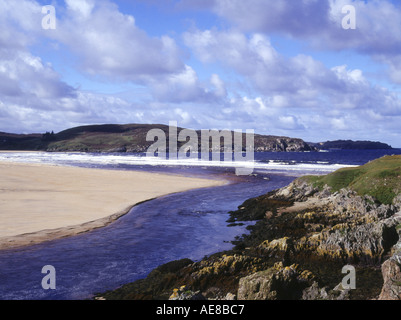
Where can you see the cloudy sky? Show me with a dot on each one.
(280, 67)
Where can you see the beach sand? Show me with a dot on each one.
(44, 202)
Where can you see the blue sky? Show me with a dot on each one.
(279, 67)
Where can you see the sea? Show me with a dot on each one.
(190, 224)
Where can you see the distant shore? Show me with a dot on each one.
(40, 202)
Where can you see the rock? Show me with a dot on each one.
(184, 294)
(391, 270)
(392, 281)
(230, 296)
(298, 190)
(226, 264)
(272, 143)
(277, 248)
(314, 293)
(276, 283)
(368, 242)
(276, 245)
(269, 214)
(344, 293)
(349, 228)
(397, 202)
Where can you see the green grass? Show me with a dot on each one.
(380, 179)
(95, 141)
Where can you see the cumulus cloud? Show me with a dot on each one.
(320, 23)
(295, 81)
(30, 89)
(317, 20)
(26, 76)
(109, 43)
(186, 87)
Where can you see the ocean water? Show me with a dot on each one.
(186, 225)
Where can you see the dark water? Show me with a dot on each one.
(187, 225)
(349, 157)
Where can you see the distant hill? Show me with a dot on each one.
(349, 144)
(124, 138)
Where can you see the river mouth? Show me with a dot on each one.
(191, 225)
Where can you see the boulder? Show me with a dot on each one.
(276, 283)
(391, 271)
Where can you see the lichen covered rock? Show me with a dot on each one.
(276, 283)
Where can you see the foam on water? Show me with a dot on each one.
(89, 159)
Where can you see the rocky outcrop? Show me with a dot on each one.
(342, 225)
(276, 283)
(219, 275)
(332, 228)
(353, 229)
(287, 283)
(392, 280)
(391, 270)
(281, 144)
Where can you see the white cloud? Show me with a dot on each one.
(219, 86)
(338, 124)
(81, 7)
(186, 87)
(319, 22)
(109, 43)
(298, 81)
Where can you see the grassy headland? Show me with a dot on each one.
(380, 179)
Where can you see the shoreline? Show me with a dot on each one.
(293, 252)
(93, 193)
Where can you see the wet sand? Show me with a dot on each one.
(44, 202)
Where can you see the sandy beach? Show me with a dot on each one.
(44, 202)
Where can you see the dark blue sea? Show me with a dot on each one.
(187, 225)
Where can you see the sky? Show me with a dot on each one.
(294, 68)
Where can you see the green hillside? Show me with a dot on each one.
(380, 179)
(124, 138)
(103, 138)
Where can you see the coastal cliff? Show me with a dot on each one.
(304, 235)
(114, 138)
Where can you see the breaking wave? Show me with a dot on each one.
(132, 160)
